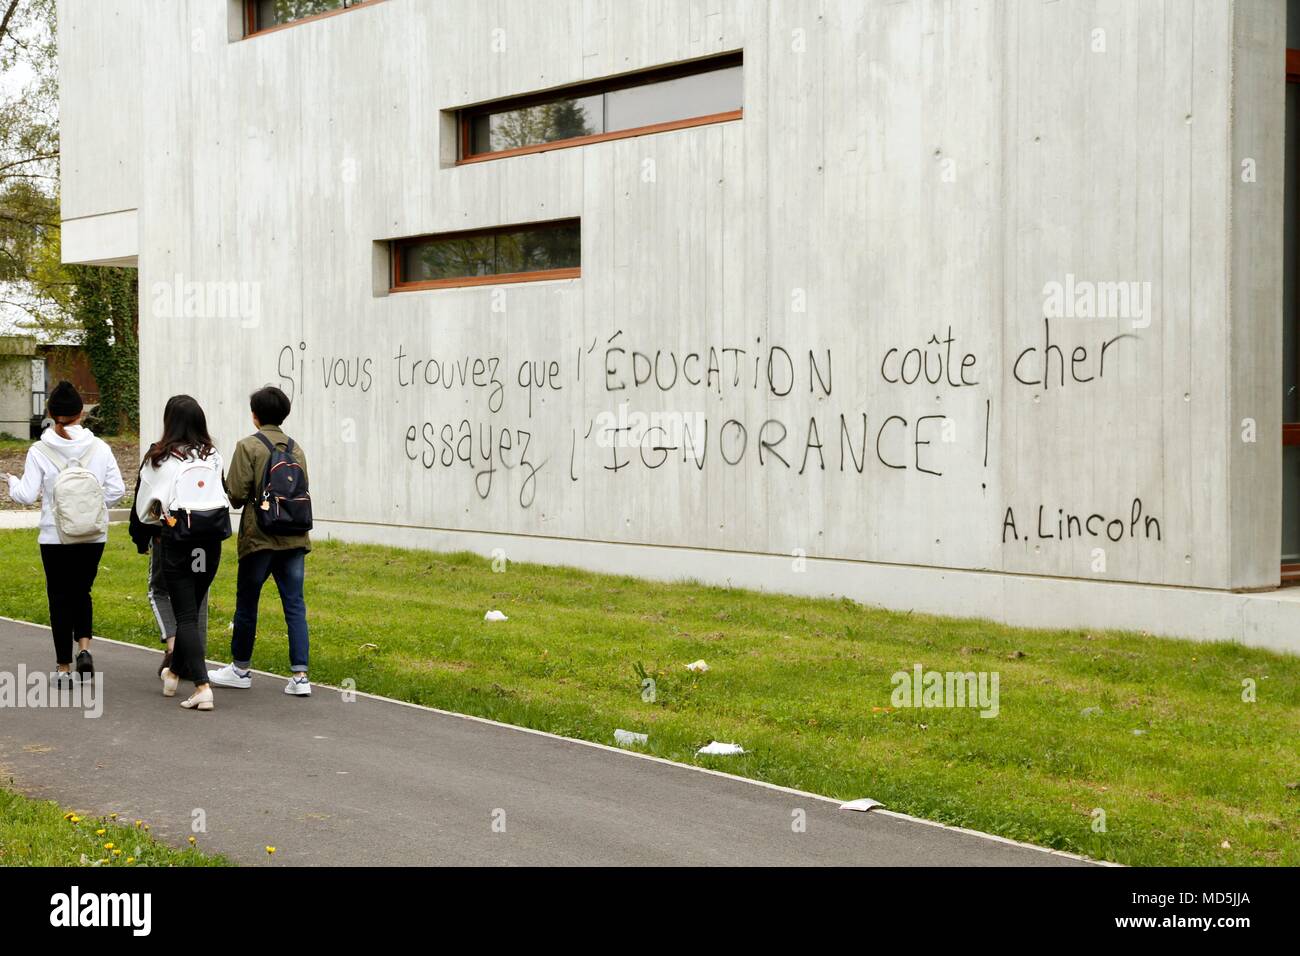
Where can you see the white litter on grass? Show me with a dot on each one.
(699, 667)
(629, 738)
(495, 616)
(862, 806)
(716, 749)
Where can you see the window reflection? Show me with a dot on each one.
(507, 252)
(271, 13)
(674, 95)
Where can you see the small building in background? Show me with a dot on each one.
(65, 362)
(22, 385)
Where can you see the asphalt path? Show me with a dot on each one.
(338, 779)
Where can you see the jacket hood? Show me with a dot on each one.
(78, 442)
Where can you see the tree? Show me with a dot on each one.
(29, 209)
(94, 306)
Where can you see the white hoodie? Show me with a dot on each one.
(39, 474)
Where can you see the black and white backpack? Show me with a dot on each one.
(198, 507)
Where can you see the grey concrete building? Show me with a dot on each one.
(981, 307)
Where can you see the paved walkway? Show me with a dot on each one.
(376, 782)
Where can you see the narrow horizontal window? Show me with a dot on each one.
(692, 94)
(263, 15)
(548, 250)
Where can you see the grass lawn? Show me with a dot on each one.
(39, 833)
(1153, 732)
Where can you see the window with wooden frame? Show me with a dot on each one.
(654, 101)
(525, 253)
(263, 16)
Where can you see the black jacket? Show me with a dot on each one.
(141, 534)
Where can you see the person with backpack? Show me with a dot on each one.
(182, 491)
(268, 479)
(76, 478)
(148, 540)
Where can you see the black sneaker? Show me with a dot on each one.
(85, 666)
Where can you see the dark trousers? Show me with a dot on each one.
(289, 568)
(70, 571)
(188, 570)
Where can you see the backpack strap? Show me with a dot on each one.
(53, 457)
(270, 446)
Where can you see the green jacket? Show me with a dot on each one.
(244, 486)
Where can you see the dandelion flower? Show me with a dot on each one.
(130, 859)
(108, 846)
(100, 832)
(193, 841)
(117, 853)
(270, 851)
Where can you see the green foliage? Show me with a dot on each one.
(105, 305)
(29, 146)
(39, 833)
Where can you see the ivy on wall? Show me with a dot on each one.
(105, 305)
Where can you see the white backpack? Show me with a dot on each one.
(197, 505)
(77, 502)
(198, 487)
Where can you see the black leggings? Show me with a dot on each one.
(70, 571)
(188, 570)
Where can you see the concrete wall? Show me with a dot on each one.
(907, 172)
(101, 44)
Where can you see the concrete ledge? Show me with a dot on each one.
(112, 239)
(11, 520)
(1268, 620)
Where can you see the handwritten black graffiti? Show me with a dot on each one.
(479, 372)
(935, 365)
(897, 443)
(483, 447)
(772, 369)
(1038, 361)
(1067, 526)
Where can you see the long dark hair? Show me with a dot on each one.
(185, 432)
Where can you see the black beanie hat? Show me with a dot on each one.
(64, 401)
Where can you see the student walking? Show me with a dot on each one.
(268, 479)
(181, 490)
(148, 540)
(76, 478)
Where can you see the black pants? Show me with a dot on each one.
(70, 571)
(188, 570)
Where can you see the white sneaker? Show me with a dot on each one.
(298, 687)
(229, 677)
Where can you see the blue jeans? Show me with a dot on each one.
(289, 568)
